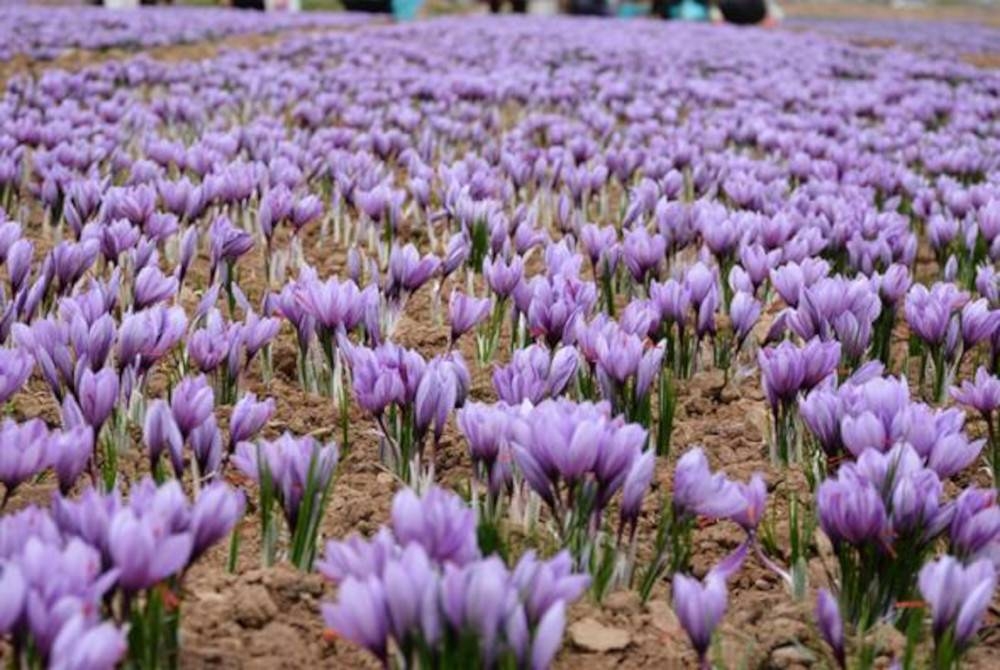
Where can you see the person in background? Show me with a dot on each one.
(743, 12)
(259, 5)
(682, 10)
(516, 6)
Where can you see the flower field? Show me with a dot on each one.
(497, 342)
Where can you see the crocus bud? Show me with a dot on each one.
(160, 433)
(97, 395)
(831, 625)
(699, 606)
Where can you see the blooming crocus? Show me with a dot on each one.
(958, 596)
(698, 491)
(68, 452)
(248, 417)
(850, 508)
(634, 488)
(333, 304)
(15, 368)
(782, 371)
(700, 606)
(144, 551)
(979, 322)
(82, 646)
(206, 445)
(14, 590)
(217, 509)
(534, 374)
(161, 433)
(503, 276)
(928, 312)
(485, 430)
(18, 262)
(975, 525)
(305, 211)
(754, 503)
(191, 402)
(228, 241)
(22, 452)
(548, 636)
(360, 614)
(408, 271)
(831, 625)
(439, 521)
(643, 253)
(981, 394)
(744, 311)
(275, 206)
(295, 465)
(152, 286)
(97, 395)
(437, 394)
(466, 312)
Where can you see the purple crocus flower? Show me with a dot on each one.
(145, 550)
(437, 394)
(975, 524)
(643, 253)
(466, 312)
(485, 429)
(534, 374)
(953, 453)
(411, 585)
(15, 368)
(215, 512)
(744, 311)
(161, 433)
(69, 451)
(81, 645)
(979, 322)
(408, 271)
(290, 461)
(439, 521)
(982, 394)
(208, 347)
(18, 262)
(503, 276)
(14, 590)
(191, 402)
(831, 625)
(333, 304)
(152, 286)
(636, 484)
(697, 491)
(97, 395)
(928, 312)
(700, 606)
(958, 595)
(305, 211)
(782, 372)
(248, 417)
(754, 503)
(360, 614)
(22, 452)
(228, 241)
(673, 300)
(850, 508)
(548, 636)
